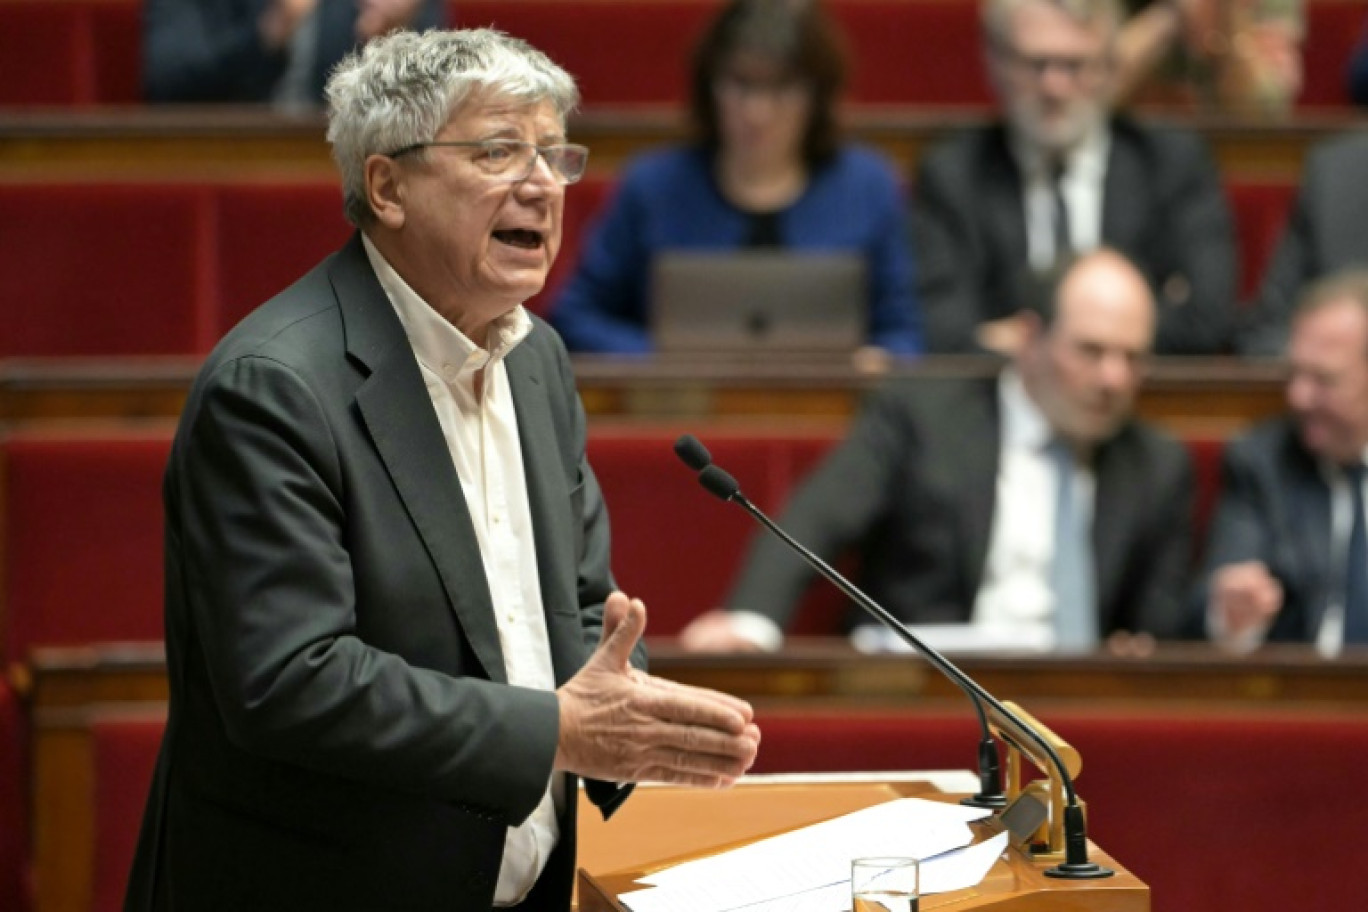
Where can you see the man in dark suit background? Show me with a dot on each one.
(1060, 174)
(387, 559)
(1288, 559)
(1326, 232)
(987, 500)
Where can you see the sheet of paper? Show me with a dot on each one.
(799, 862)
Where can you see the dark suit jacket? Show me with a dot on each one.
(341, 736)
(914, 486)
(211, 50)
(1274, 508)
(1326, 231)
(1162, 206)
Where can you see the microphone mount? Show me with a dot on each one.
(1020, 734)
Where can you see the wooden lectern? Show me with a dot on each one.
(661, 826)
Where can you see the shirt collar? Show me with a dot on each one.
(1086, 160)
(1023, 423)
(439, 346)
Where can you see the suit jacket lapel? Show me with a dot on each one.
(1123, 193)
(979, 470)
(1117, 499)
(1310, 541)
(397, 410)
(549, 501)
(1005, 204)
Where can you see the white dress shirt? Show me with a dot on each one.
(1016, 595)
(1082, 185)
(480, 425)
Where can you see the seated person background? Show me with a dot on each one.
(1288, 559)
(278, 51)
(1327, 232)
(951, 491)
(1059, 174)
(768, 171)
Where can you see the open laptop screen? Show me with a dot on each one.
(751, 300)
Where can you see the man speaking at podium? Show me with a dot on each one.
(393, 640)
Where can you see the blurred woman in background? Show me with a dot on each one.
(767, 170)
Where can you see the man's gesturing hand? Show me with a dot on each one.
(621, 725)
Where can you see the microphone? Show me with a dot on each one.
(1076, 864)
(724, 487)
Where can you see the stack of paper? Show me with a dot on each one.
(809, 868)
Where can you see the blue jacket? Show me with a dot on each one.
(669, 200)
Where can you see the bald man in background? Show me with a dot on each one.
(1031, 504)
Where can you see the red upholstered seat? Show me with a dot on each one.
(268, 234)
(1260, 210)
(83, 538)
(81, 52)
(14, 875)
(1214, 810)
(674, 544)
(583, 203)
(102, 269)
(124, 755)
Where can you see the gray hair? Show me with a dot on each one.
(997, 15)
(401, 89)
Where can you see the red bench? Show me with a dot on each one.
(148, 268)
(82, 555)
(1212, 809)
(922, 52)
(14, 874)
(123, 756)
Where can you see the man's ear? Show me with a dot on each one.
(385, 190)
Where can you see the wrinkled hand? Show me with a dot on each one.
(713, 631)
(1245, 596)
(622, 725)
(377, 17)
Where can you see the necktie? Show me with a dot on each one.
(1356, 567)
(1072, 574)
(1063, 242)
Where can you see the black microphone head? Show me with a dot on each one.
(718, 483)
(694, 454)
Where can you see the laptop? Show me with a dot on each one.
(752, 300)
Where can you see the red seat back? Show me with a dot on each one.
(83, 538)
(14, 777)
(123, 756)
(1260, 210)
(103, 269)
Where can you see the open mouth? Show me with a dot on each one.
(519, 237)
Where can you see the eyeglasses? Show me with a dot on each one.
(1076, 69)
(790, 90)
(512, 160)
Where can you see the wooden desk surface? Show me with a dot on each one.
(235, 143)
(701, 823)
(1211, 397)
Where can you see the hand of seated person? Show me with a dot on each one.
(1128, 645)
(620, 724)
(376, 17)
(1244, 599)
(280, 20)
(714, 631)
